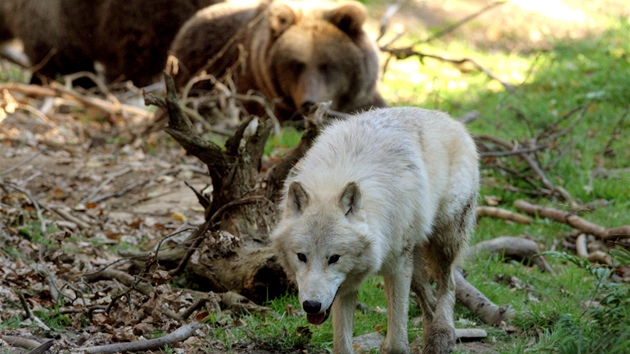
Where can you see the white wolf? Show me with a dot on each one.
(390, 191)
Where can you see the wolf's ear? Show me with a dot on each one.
(297, 198)
(351, 200)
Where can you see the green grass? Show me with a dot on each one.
(591, 75)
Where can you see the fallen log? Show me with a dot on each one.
(476, 301)
(518, 248)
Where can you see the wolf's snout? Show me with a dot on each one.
(312, 307)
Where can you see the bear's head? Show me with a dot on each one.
(319, 52)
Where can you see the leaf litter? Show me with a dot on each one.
(77, 184)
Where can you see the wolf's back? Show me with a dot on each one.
(406, 161)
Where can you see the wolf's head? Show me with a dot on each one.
(323, 243)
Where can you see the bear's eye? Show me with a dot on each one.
(333, 259)
(325, 69)
(296, 67)
(302, 257)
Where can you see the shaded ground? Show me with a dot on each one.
(73, 159)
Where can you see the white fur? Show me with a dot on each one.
(417, 176)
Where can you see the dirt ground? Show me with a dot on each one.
(121, 180)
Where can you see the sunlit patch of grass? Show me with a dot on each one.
(277, 145)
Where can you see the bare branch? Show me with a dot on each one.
(574, 221)
(502, 214)
(404, 53)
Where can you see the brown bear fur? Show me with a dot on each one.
(297, 53)
(131, 38)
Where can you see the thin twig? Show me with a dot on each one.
(33, 200)
(66, 215)
(122, 192)
(109, 178)
(28, 311)
(22, 163)
(616, 130)
(68, 79)
(548, 132)
(461, 22)
(404, 53)
(528, 158)
(511, 153)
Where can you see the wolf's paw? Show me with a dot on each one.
(390, 348)
(439, 339)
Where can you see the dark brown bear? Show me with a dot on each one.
(130, 38)
(298, 53)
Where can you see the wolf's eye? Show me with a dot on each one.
(302, 257)
(333, 259)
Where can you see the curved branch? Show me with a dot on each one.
(179, 335)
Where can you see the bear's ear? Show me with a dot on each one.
(281, 17)
(348, 17)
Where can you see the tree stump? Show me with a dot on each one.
(230, 252)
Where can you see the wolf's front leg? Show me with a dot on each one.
(439, 338)
(397, 288)
(343, 322)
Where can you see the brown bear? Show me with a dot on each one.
(294, 52)
(131, 38)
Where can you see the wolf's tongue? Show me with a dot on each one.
(316, 319)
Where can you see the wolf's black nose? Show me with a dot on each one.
(311, 307)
